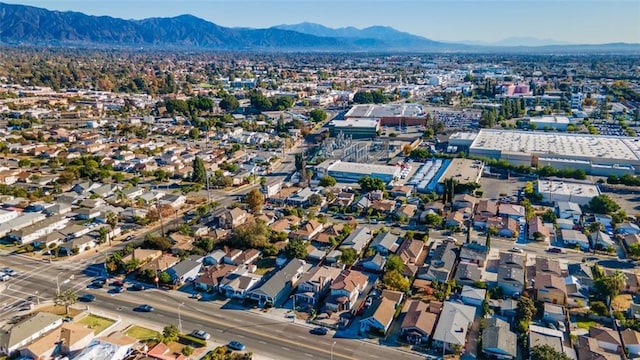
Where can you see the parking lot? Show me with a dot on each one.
(496, 188)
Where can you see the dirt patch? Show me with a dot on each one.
(621, 302)
(60, 310)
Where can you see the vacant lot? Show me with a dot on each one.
(493, 188)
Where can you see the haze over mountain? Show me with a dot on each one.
(519, 41)
(27, 25)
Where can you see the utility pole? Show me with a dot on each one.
(160, 216)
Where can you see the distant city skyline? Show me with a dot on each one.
(570, 21)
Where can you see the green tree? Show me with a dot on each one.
(396, 281)
(187, 350)
(634, 250)
(327, 181)
(296, 248)
(255, 200)
(194, 133)
(253, 234)
(525, 311)
(317, 115)
(315, 200)
(603, 204)
(549, 216)
(368, 184)
(546, 352)
(348, 256)
(170, 333)
(394, 263)
(199, 174)
(229, 103)
(65, 298)
(433, 220)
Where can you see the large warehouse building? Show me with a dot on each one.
(554, 191)
(349, 172)
(389, 114)
(596, 155)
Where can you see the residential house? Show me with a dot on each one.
(565, 224)
(401, 191)
(569, 210)
(582, 272)
(176, 201)
(418, 323)
(386, 243)
(553, 313)
(539, 336)
(442, 263)
(601, 241)
(238, 283)
(550, 288)
(345, 290)
(434, 207)
(14, 337)
(455, 219)
(181, 243)
(78, 245)
(277, 288)
(453, 324)
(184, 270)
(411, 251)
(301, 198)
(273, 186)
(631, 342)
(65, 340)
(511, 268)
(381, 312)
(575, 238)
(484, 210)
(589, 348)
(629, 240)
(162, 352)
(537, 230)
(505, 227)
(115, 346)
(133, 192)
(474, 253)
(307, 231)
(210, 279)
(498, 340)
(374, 263)
(627, 228)
(472, 296)
(462, 201)
(407, 211)
(162, 263)
(39, 229)
(315, 283)
(511, 211)
(358, 239)
(284, 224)
(246, 257)
(230, 219)
(383, 206)
(330, 232)
(546, 265)
(468, 274)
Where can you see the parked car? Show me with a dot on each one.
(145, 308)
(554, 250)
(87, 298)
(4, 277)
(318, 331)
(368, 302)
(200, 334)
(9, 271)
(236, 345)
(516, 250)
(136, 287)
(129, 238)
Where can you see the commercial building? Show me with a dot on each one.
(555, 191)
(596, 155)
(390, 114)
(559, 123)
(349, 172)
(360, 128)
(464, 171)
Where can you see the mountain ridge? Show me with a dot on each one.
(29, 25)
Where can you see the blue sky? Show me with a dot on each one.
(575, 21)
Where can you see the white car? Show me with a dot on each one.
(4, 277)
(516, 250)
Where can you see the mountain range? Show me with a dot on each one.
(28, 25)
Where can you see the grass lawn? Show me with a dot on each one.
(587, 324)
(265, 265)
(141, 333)
(96, 323)
(621, 302)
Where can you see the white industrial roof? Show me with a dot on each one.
(567, 188)
(363, 168)
(359, 122)
(569, 145)
(388, 110)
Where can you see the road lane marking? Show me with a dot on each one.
(285, 348)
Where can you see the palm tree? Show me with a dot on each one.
(66, 298)
(615, 283)
(112, 220)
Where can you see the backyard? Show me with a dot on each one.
(96, 323)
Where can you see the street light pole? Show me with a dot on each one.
(180, 317)
(58, 283)
(332, 345)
